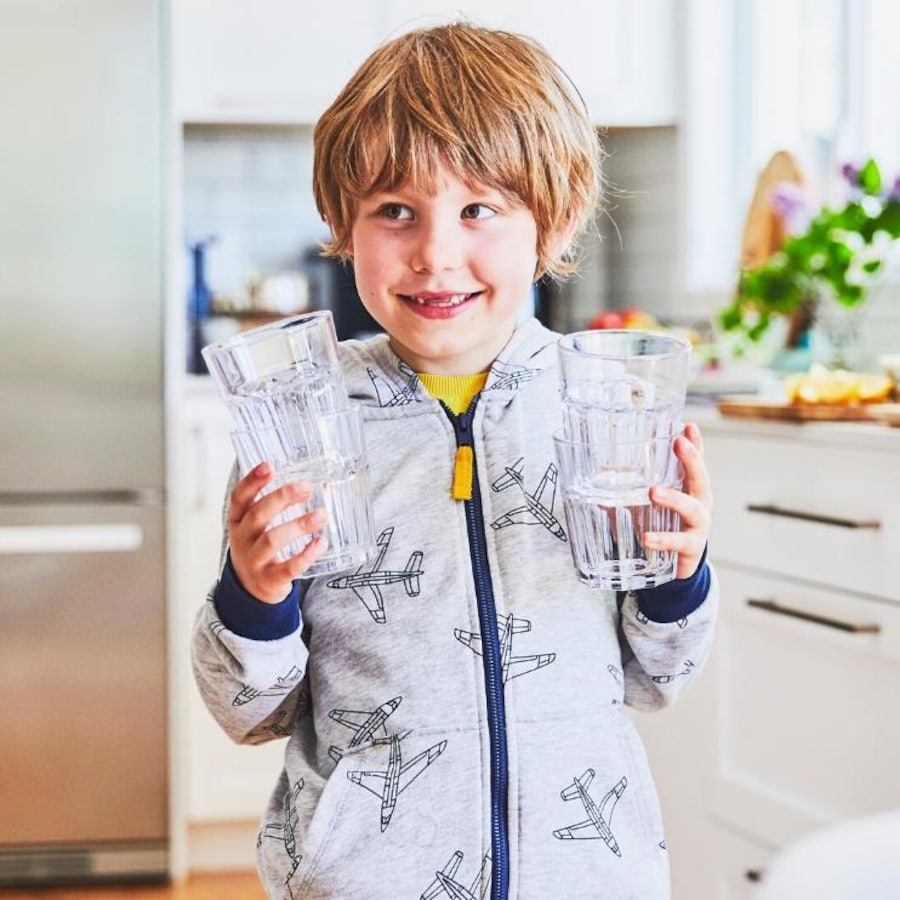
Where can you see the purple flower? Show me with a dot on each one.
(850, 171)
(790, 202)
(894, 192)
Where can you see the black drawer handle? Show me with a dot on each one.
(770, 509)
(753, 875)
(773, 607)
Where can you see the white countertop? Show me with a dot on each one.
(873, 435)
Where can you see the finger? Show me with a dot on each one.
(692, 433)
(263, 568)
(689, 508)
(278, 574)
(689, 542)
(693, 514)
(288, 499)
(245, 491)
(696, 475)
(311, 553)
(280, 536)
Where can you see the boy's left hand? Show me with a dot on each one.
(693, 504)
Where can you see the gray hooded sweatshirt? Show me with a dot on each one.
(454, 710)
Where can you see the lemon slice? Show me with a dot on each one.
(807, 391)
(873, 388)
(839, 387)
(792, 385)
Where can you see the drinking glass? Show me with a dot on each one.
(327, 450)
(605, 488)
(273, 372)
(626, 383)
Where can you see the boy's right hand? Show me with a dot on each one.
(254, 545)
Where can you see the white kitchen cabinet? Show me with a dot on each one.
(733, 866)
(821, 511)
(803, 740)
(282, 62)
(619, 53)
(786, 731)
(273, 61)
(220, 781)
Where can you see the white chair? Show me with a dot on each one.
(856, 860)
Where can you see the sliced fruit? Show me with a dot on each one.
(837, 387)
(874, 388)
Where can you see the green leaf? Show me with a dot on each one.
(730, 318)
(756, 332)
(872, 266)
(870, 177)
(889, 220)
(849, 294)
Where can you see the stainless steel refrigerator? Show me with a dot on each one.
(83, 723)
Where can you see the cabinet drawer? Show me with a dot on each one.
(825, 513)
(806, 730)
(737, 864)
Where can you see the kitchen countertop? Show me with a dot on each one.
(873, 435)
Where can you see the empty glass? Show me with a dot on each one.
(605, 489)
(273, 372)
(623, 395)
(626, 385)
(285, 391)
(623, 369)
(327, 450)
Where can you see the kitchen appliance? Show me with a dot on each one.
(83, 735)
(332, 286)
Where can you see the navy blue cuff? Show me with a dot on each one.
(243, 614)
(676, 599)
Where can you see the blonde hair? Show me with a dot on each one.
(492, 107)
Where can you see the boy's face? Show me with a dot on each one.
(444, 275)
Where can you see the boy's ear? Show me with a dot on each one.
(561, 239)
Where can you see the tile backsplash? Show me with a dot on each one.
(251, 187)
(631, 256)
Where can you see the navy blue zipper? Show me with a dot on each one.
(493, 674)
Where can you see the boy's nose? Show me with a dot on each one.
(438, 248)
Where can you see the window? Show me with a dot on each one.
(823, 81)
(820, 78)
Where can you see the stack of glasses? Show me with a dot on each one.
(285, 391)
(623, 395)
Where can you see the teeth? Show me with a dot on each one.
(455, 300)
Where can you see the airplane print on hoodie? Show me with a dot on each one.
(537, 508)
(598, 824)
(367, 584)
(512, 666)
(388, 393)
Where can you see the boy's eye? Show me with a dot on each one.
(477, 211)
(396, 211)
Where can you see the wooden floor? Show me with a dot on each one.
(230, 886)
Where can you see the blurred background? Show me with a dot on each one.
(155, 196)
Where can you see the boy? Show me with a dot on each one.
(439, 724)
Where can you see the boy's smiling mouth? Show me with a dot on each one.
(442, 300)
(437, 304)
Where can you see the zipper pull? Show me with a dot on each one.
(462, 473)
(464, 462)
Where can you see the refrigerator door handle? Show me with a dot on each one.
(115, 537)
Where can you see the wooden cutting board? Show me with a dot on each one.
(794, 412)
